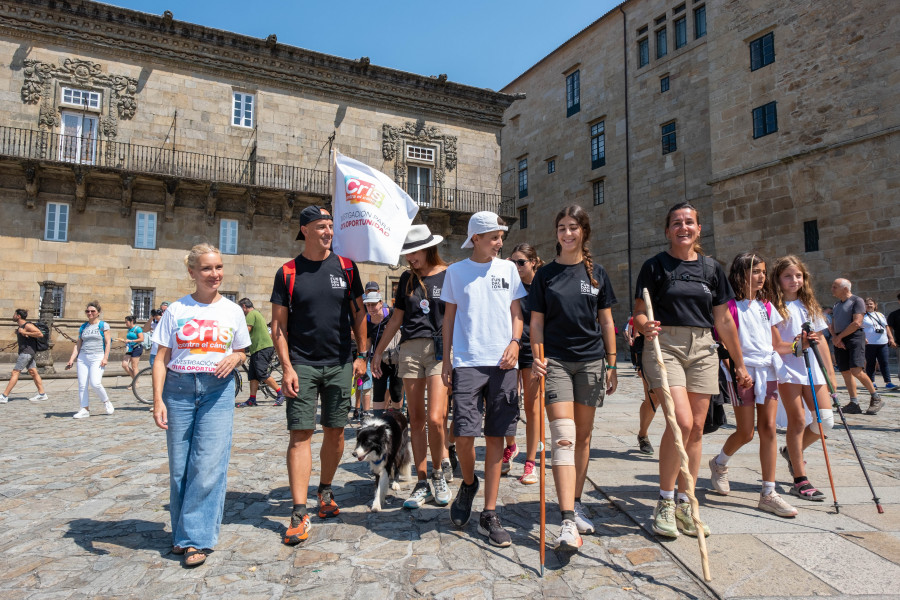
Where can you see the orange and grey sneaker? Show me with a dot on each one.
(327, 506)
(298, 531)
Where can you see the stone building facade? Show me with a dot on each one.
(127, 137)
(776, 120)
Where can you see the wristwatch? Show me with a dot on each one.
(518, 341)
(361, 356)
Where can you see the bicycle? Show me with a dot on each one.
(274, 370)
(142, 385)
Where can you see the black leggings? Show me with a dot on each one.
(388, 381)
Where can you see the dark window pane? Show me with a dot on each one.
(762, 51)
(811, 236)
(662, 47)
(699, 22)
(551, 166)
(668, 138)
(573, 93)
(664, 84)
(598, 145)
(680, 32)
(643, 52)
(523, 218)
(598, 193)
(765, 120)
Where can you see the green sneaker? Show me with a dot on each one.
(664, 519)
(686, 523)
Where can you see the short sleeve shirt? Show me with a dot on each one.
(259, 332)
(893, 321)
(374, 331)
(425, 293)
(844, 310)
(320, 315)
(92, 342)
(569, 303)
(685, 303)
(201, 335)
(131, 338)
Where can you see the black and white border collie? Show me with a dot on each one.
(384, 443)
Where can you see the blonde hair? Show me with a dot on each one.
(191, 258)
(805, 295)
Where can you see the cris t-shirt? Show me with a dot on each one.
(200, 335)
(569, 303)
(482, 293)
(320, 317)
(416, 322)
(685, 303)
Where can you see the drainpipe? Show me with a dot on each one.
(627, 158)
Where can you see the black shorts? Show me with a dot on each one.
(498, 389)
(853, 354)
(136, 352)
(260, 364)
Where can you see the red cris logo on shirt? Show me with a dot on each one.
(202, 336)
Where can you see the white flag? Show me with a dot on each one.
(372, 214)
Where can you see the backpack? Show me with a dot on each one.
(732, 308)
(101, 324)
(290, 269)
(671, 278)
(42, 343)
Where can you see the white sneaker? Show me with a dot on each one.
(582, 521)
(775, 504)
(718, 477)
(569, 539)
(82, 414)
(4, 398)
(38, 398)
(110, 409)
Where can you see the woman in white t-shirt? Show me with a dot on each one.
(878, 338)
(756, 322)
(793, 298)
(92, 353)
(201, 338)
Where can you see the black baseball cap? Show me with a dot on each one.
(310, 214)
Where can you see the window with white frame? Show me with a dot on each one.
(145, 229)
(243, 110)
(141, 303)
(58, 298)
(228, 236)
(56, 223)
(82, 98)
(78, 139)
(420, 153)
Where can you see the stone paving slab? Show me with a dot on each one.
(83, 513)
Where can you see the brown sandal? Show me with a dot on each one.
(177, 550)
(193, 557)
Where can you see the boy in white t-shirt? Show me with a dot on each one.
(483, 327)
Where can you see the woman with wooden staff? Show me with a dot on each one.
(689, 293)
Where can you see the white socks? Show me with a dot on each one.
(722, 458)
(670, 495)
(768, 487)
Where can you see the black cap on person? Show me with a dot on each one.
(310, 214)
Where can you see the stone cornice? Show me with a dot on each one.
(86, 24)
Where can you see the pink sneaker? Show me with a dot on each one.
(528, 475)
(509, 453)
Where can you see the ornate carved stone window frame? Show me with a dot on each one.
(395, 140)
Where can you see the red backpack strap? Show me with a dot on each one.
(289, 272)
(347, 267)
(732, 308)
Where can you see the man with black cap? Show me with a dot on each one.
(316, 310)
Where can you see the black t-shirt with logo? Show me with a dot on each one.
(564, 294)
(526, 358)
(684, 303)
(416, 322)
(320, 317)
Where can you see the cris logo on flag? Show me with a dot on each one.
(359, 190)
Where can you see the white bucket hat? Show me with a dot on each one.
(419, 238)
(372, 298)
(482, 222)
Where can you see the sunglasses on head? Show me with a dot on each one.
(520, 261)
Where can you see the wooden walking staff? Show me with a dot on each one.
(540, 352)
(669, 410)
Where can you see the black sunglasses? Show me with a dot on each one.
(520, 261)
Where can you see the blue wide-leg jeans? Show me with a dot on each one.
(200, 416)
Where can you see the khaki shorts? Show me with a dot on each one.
(581, 382)
(417, 359)
(690, 357)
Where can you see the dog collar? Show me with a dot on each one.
(379, 461)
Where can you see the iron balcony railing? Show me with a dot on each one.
(89, 151)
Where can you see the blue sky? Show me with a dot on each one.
(481, 43)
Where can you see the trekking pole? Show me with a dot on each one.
(668, 405)
(815, 348)
(837, 509)
(540, 349)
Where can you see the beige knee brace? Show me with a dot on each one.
(562, 437)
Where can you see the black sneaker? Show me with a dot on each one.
(644, 444)
(875, 404)
(461, 509)
(852, 408)
(489, 525)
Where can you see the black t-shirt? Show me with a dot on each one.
(27, 344)
(320, 318)
(684, 303)
(373, 331)
(416, 322)
(893, 321)
(525, 355)
(564, 294)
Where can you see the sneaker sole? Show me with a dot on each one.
(873, 412)
(664, 533)
(585, 531)
(682, 529)
(487, 534)
(777, 513)
(531, 482)
(330, 514)
(564, 547)
(440, 502)
(414, 505)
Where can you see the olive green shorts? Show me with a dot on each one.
(332, 384)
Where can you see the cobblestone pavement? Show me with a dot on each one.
(83, 513)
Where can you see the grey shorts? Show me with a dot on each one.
(581, 382)
(24, 362)
(499, 390)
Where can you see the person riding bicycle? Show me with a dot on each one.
(260, 352)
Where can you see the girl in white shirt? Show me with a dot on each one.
(756, 322)
(793, 298)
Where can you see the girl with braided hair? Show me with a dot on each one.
(570, 301)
